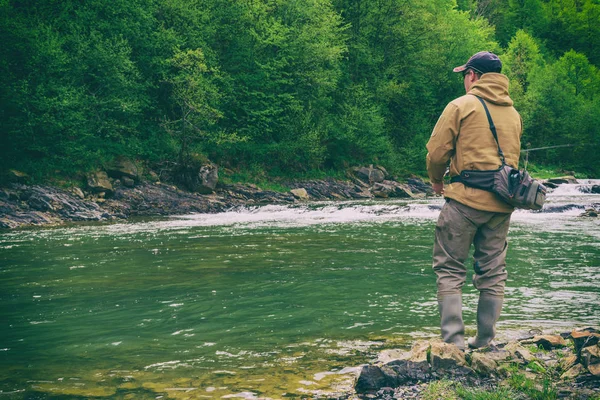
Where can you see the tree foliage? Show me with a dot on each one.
(285, 86)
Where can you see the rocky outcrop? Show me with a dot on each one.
(539, 357)
(97, 182)
(106, 198)
(202, 180)
(332, 189)
(370, 174)
(37, 205)
(122, 167)
(300, 194)
(387, 189)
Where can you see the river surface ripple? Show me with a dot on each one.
(263, 302)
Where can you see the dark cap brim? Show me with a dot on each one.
(460, 69)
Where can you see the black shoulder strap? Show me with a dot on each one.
(492, 128)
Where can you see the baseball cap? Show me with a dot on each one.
(483, 62)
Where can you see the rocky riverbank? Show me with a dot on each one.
(119, 193)
(541, 367)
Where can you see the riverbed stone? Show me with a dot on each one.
(482, 364)
(128, 182)
(392, 354)
(585, 337)
(549, 342)
(590, 355)
(594, 369)
(519, 353)
(446, 356)
(419, 351)
(595, 189)
(372, 378)
(300, 194)
(563, 179)
(573, 372)
(406, 371)
(568, 362)
(78, 192)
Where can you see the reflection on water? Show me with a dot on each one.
(259, 303)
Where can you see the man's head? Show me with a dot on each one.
(479, 64)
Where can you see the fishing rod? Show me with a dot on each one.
(541, 148)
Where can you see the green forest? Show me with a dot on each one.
(283, 87)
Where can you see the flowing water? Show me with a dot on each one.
(270, 302)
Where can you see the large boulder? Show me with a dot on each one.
(370, 175)
(122, 167)
(98, 182)
(300, 194)
(202, 180)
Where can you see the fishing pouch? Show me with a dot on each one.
(515, 187)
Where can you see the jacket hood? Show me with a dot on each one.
(492, 87)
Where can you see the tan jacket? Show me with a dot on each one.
(462, 136)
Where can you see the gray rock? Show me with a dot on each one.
(78, 192)
(98, 182)
(128, 182)
(406, 371)
(122, 167)
(370, 175)
(372, 378)
(40, 203)
(202, 180)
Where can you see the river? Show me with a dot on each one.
(269, 302)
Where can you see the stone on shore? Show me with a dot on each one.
(519, 353)
(483, 365)
(549, 342)
(585, 337)
(122, 167)
(98, 182)
(446, 356)
(370, 175)
(573, 372)
(300, 194)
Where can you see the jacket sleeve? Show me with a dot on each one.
(442, 143)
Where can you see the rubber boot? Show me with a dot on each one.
(453, 328)
(488, 312)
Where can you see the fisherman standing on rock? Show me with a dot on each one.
(462, 138)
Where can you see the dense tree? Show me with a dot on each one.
(281, 86)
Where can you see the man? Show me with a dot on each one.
(462, 137)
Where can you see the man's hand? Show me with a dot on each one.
(438, 188)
